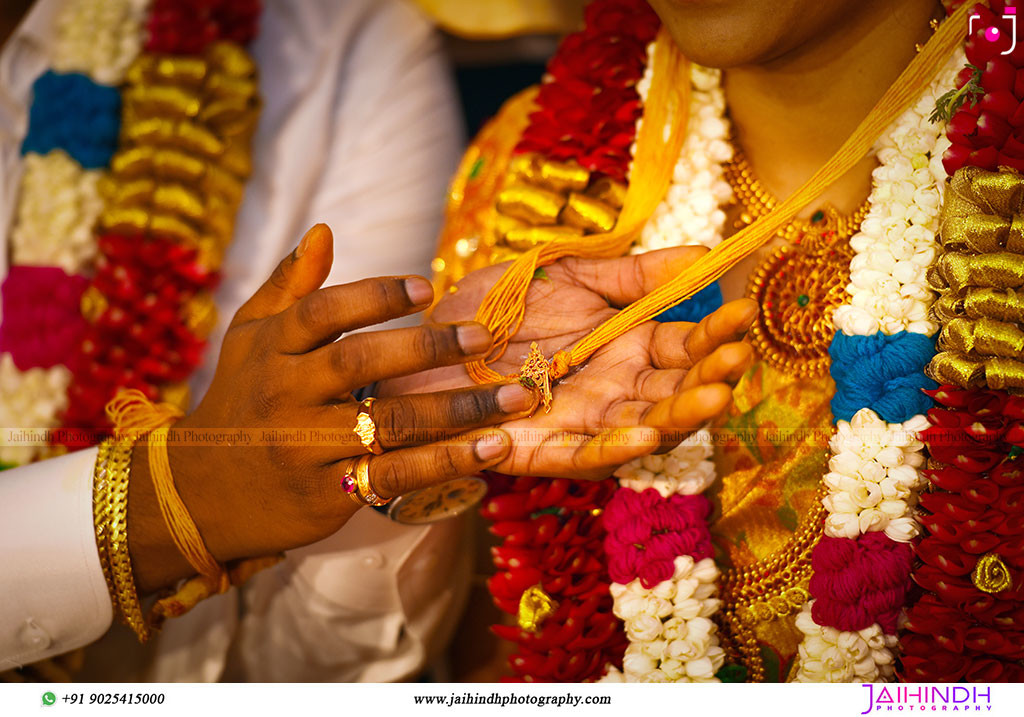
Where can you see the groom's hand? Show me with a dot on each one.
(260, 461)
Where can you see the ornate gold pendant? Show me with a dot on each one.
(798, 287)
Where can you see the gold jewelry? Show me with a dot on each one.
(356, 482)
(366, 429)
(800, 284)
(366, 491)
(110, 491)
(348, 482)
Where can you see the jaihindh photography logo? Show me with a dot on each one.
(948, 698)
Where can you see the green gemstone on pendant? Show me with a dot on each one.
(474, 171)
(817, 216)
(803, 300)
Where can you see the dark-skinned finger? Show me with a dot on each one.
(296, 276)
(398, 472)
(421, 418)
(690, 408)
(624, 280)
(360, 359)
(728, 323)
(324, 315)
(726, 364)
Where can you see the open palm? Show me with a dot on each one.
(643, 390)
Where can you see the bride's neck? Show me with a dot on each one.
(792, 113)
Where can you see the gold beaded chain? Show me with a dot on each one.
(800, 284)
(769, 589)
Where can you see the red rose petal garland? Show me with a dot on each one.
(552, 533)
(963, 628)
(588, 105)
(969, 623)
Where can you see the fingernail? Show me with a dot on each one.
(513, 398)
(418, 290)
(491, 446)
(304, 242)
(473, 338)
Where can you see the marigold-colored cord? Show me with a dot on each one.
(134, 415)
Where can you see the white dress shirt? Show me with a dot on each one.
(359, 130)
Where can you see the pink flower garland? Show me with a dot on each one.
(859, 582)
(646, 533)
(42, 323)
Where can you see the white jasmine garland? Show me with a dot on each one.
(672, 638)
(29, 400)
(873, 483)
(691, 213)
(99, 38)
(896, 242)
(830, 655)
(57, 208)
(685, 470)
(873, 478)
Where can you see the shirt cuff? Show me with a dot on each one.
(53, 596)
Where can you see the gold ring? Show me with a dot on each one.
(348, 482)
(366, 429)
(366, 491)
(356, 482)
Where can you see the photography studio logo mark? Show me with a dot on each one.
(949, 698)
(993, 33)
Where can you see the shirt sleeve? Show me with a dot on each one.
(397, 141)
(53, 597)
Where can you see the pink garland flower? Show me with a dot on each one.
(43, 321)
(646, 533)
(860, 582)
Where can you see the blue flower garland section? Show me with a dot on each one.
(73, 113)
(696, 307)
(883, 373)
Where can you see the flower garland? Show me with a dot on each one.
(671, 484)
(862, 563)
(968, 623)
(549, 575)
(133, 170)
(656, 530)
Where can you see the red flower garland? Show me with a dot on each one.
(141, 339)
(990, 133)
(186, 27)
(588, 105)
(552, 533)
(958, 631)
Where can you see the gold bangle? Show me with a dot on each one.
(125, 595)
(101, 513)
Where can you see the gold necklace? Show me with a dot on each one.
(798, 285)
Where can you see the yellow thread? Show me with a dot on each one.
(134, 415)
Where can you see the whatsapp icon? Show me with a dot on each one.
(49, 698)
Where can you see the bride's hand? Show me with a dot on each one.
(647, 388)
